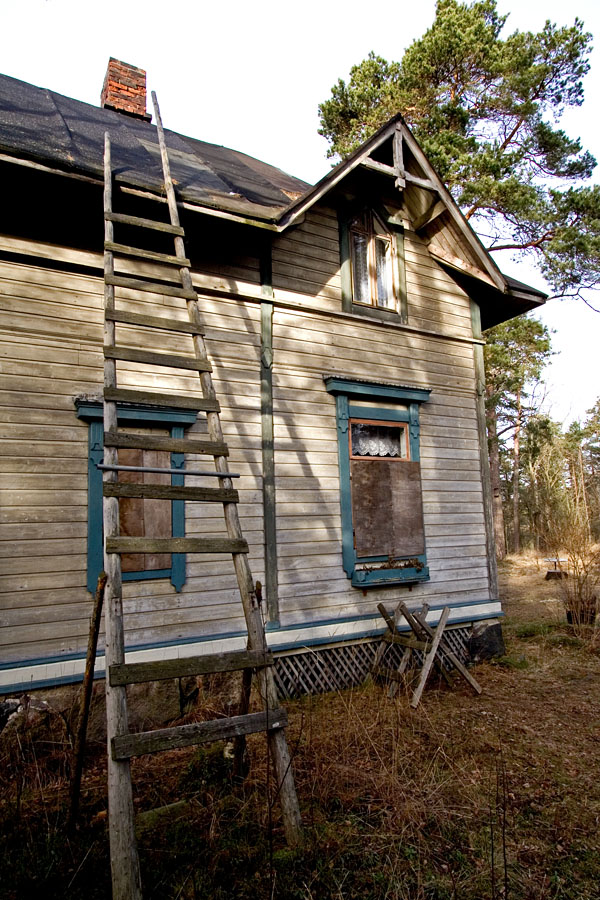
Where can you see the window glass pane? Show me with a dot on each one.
(385, 296)
(378, 440)
(360, 268)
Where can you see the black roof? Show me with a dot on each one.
(45, 126)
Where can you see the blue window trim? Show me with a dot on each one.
(175, 419)
(345, 390)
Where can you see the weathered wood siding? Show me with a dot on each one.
(50, 343)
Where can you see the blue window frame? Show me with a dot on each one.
(354, 404)
(176, 421)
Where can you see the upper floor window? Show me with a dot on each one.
(372, 263)
(373, 257)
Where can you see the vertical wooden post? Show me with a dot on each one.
(268, 461)
(84, 702)
(256, 635)
(484, 459)
(125, 867)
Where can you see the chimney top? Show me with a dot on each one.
(124, 90)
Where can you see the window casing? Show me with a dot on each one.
(383, 539)
(372, 264)
(152, 517)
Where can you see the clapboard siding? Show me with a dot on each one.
(51, 352)
(51, 344)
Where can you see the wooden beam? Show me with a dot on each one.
(138, 222)
(150, 287)
(398, 151)
(369, 163)
(435, 209)
(416, 181)
(165, 258)
(172, 445)
(268, 461)
(148, 357)
(451, 656)
(430, 658)
(170, 492)
(161, 669)
(457, 263)
(130, 318)
(175, 545)
(151, 398)
(125, 746)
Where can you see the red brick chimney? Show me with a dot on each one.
(125, 89)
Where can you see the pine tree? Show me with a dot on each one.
(484, 108)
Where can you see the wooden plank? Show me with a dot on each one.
(125, 746)
(429, 659)
(452, 657)
(125, 866)
(175, 545)
(165, 258)
(128, 354)
(138, 222)
(129, 318)
(171, 492)
(159, 670)
(150, 287)
(174, 445)
(126, 395)
(406, 641)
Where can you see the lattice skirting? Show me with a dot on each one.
(336, 668)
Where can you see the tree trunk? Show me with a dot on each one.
(498, 513)
(517, 479)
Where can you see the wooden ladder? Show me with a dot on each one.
(122, 745)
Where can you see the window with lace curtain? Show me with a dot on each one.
(372, 265)
(373, 257)
(383, 537)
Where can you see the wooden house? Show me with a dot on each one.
(344, 323)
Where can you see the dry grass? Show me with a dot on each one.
(466, 798)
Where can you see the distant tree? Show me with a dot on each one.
(484, 108)
(515, 354)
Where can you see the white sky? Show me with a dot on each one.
(250, 75)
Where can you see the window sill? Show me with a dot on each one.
(365, 578)
(374, 312)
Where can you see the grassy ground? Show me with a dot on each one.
(467, 797)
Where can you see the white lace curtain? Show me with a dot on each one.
(376, 440)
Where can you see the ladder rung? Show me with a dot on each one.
(165, 258)
(129, 318)
(160, 669)
(125, 746)
(151, 287)
(170, 492)
(174, 445)
(150, 398)
(128, 354)
(163, 470)
(144, 223)
(175, 545)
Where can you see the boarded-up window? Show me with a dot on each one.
(141, 517)
(387, 507)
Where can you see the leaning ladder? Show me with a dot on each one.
(122, 745)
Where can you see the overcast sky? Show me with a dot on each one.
(250, 75)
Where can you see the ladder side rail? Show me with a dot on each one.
(126, 878)
(256, 634)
